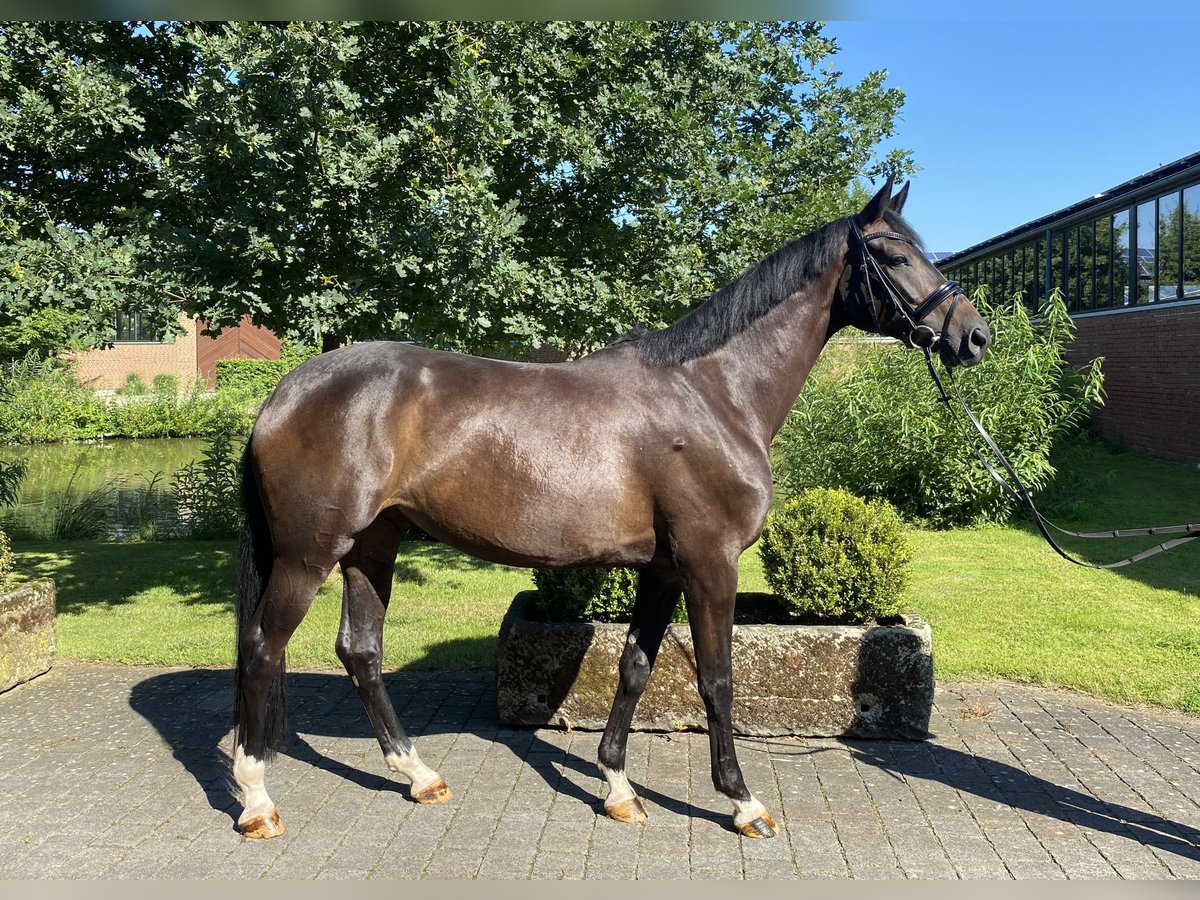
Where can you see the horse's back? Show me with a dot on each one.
(527, 464)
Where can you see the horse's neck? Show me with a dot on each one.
(764, 367)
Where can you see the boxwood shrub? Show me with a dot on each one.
(584, 595)
(588, 595)
(829, 554)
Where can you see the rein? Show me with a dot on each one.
(929, 339)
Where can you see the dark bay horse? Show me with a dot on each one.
(651, 453)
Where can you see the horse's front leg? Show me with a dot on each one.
(657, 594)
(710, 590)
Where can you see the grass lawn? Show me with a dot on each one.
(1000, 602)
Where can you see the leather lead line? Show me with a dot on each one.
(1019, 494)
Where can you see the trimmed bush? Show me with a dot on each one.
(588, 595)
(584, 595)
(248, 379)
(831, 555)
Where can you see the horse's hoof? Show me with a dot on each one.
(762, 827)
(630, 811)
(262, 827)
(438, 792)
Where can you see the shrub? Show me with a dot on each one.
(11, 475)
(880, 430)
(10, 481)
(133, 387)
(588, 595)
(208, 494)
(248, 380)
(584, 595)
(165, 383)
(82, 517)
(829, 554)
(45, 403)
(7, 561)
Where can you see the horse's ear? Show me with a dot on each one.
(873, 211)
(898, 200)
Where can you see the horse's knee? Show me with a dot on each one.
(635, 668)
(361, 660)
(716, 691)
(257, 657)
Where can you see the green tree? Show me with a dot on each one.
(76, 99)
(481, 186)
(490, 186)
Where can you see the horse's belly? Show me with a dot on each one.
(520, 523)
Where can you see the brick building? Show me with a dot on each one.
(188, 357)
(1127, 261)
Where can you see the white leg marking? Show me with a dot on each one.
(618, 786)
(420, 776)
(747, 811)
(248, 772)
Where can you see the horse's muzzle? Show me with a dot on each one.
(975, 345)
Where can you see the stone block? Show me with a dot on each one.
(27, 641)
(814, 680)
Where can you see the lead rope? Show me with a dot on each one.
(1021, 494)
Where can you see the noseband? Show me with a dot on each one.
(919, 334)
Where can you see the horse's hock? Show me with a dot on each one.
(27, 642)
(814, 680)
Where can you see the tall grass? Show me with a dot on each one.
(82, 515)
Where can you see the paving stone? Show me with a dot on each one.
(131, 768)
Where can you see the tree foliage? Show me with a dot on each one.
(76, 100)
(482, 186)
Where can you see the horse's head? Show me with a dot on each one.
(891, 288)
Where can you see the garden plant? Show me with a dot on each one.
(879, 429)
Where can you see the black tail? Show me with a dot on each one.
(253, 572)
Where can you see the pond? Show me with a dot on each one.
(128, 483)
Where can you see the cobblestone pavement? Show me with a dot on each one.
(114, 772)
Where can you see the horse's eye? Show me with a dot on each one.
(899, 260)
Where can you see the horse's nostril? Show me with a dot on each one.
(980, 338)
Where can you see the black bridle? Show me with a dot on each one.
(926, 338)
(919, 334)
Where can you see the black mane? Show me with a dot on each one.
(751, 295)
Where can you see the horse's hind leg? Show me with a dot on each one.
(261, 713)
(367, 585)
(710, 589)
(657, 594)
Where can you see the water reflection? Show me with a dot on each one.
(131, 479)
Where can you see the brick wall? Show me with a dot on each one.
(108, 369)
(1151, 377)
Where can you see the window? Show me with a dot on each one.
(1147, 252)
(1086, 253)
(132, 328)
(1039, 265)
(1101, 263)
(1071, 252)
(1170, 233)
(1120, 258)
(1191, 241)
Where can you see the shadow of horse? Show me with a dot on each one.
(1001, 783)
(192, 712)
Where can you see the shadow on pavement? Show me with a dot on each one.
(191, 710)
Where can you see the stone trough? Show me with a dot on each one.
(815, 680)
(27, 642)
